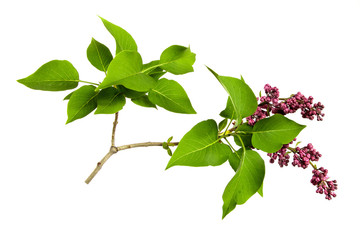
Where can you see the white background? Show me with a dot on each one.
(309, 46)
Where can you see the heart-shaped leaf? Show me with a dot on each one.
(246, 181)
(99, 55)
(170, 95)
(124, 41)
(241, 96)
(200, 147)
(56, 75)
(270, 134)
(177, 60)
(126, 69)
(81, 103)
(110, 100)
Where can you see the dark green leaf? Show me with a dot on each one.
(56, 75)
(99, 55)
(200, 147)
(170, 95)
(245, 132)
(241, 96)
(247, 180)
(110, 100)
(67, 97)
(223, 124)
(124, 40)
(81, 103)
(177, 59)
(229, 110)
(143, 101)
(126, 69)
(270, 134)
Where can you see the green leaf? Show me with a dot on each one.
(153, 70)
(241, 96)
(228, 112)
(200, 147)
(223, 124)
(67, 97)
(260, 190)
(130, 93)
(56, 75)
(81, 103)
(245, 134)
(99, 55)
(110, 100)
(270, 134)
(143, 101)
(247, 180)
(124, 40)
(170, 95)
(177, 59)
(126, 69)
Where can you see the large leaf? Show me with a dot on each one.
(99, 55)
(170, 95)
(270, 134)
(247, 180)
(241, 96)
(81, 103)
(124, 40)
(126, 69)
(109, 101)
(177, 60)
(56, 75)
(200, 147)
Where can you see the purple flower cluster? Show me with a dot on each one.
(282, 155)
(320, 179)
(271, 103)
(303, 156)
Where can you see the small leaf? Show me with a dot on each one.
(81, 103)
(270, 134)
(228, 112)
(143, 101)
(245, 134)
(99, 55)
(56, 75)
(124, 40)
(110, 100)
(177, 59)
(169, 139)
(170, 95)
(247, 180)
(223, 124)
(200, 147)
(126, 69)
(130, 93)
(67, 97)
(240, 94)
(169, 152)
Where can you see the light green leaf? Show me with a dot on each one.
(126, 69)
(228, 112)
(153, 70)
(143, 101)
(223, 124)
(124, 40)
(170, 95)
(200, 147)
(99, 55)
(130, 93)
(247, 180)
(81, 103)
(177, 60)
(260, 190)
(270, 134)
(241, 96)
(56, 75)
(110, 100)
